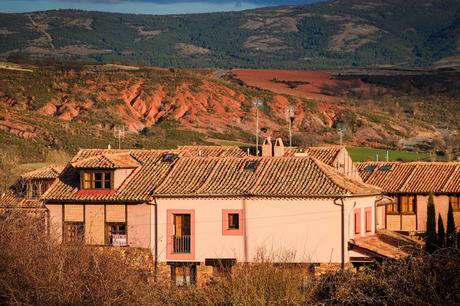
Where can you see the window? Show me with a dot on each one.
(97, 180)
(169, 158)
(369, 168)
(393, 208)
(385, 168)
(357, 221)
(407, 204)
(455, 202)
(251, 165)
(181, 233)
(368, 212)
(183, 274)
(233, 221)
(74, 232)
(116, 234)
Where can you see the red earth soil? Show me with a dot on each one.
(273, 80)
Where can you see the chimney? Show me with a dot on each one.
(267, 147)
(278, 150)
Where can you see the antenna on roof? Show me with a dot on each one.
(257, 102)
(119, 133)
(290, 114)
(341, 129)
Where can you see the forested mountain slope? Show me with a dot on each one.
(326, 34)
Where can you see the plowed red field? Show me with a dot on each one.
(308, 84)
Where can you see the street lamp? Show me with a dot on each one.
(290, 114)
(257, 102)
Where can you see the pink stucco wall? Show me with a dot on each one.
(295, 230)
(119, 176)
(139, 223)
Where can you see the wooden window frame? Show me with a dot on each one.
(454, 200)
(108, 234)
(393, 211)
(92, 181)
(404, 205)
(231, 219)
(226, 229)
(67, 225)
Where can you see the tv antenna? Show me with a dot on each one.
(290, 114)
(257, 102)
(119, 133)
(341, 129)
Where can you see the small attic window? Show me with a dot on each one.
(168, 158)
(251, 165)
(385, 168)
(369, 168)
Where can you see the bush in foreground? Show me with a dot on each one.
(37, 270)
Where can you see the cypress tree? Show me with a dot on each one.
(430, 236)
(441, 233)
(450, 233)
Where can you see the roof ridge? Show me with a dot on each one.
(326, 169)
(342, 148)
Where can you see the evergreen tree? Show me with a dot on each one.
(430, 236)
(450, 234)
(441, 233)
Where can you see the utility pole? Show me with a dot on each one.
(257, 102)
(290, 113)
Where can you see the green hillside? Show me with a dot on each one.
(322, 35)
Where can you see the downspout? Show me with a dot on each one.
(155, 267)
(245, 242)
(342, 226)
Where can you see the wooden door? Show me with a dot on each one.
(182, 225)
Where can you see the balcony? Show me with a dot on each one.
(181, 244)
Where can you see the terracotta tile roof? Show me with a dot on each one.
(48, 172)
(412, 177)
(327, 155)
(137, 187)
(213, 176)
(213, 151)
(106, 161)
(387, 244)
(10, 200)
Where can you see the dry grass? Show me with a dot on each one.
(35, 269)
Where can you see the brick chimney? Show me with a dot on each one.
(278, 150)
(267, 147)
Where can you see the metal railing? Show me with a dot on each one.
(181, 244)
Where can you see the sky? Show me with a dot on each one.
(159, 7)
